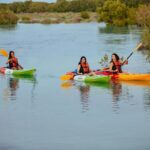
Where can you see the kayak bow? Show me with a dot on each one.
(24, 72)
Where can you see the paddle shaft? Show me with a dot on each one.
(139, 45)
(127, 58)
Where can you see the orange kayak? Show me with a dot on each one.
(134, 77)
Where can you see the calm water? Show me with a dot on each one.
(46, 113)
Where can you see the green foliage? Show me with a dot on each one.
(61, 6)
(72, 6)
(38, 7)
(148, 56)
(85, 15)
(19, 7)
(135, 3)
(143, 16)
(113, 12)
(4, 7)
(104, 62)
(7, 17)
(83, 5)
(146, 38)
(131, 13)
(131, 3)
(143, 19)
(76, 5)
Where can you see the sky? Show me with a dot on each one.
(9, 1)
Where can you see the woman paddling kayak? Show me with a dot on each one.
(83, 67)
(116, 64)
(13, 61)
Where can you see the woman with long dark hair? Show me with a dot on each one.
(83, 67)
(116, 64)
(13, 61)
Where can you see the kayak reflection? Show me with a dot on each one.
(120, 90)
(116, 94)
(13, 85)
(84, 89)
(69, 84)
(84, 96)
(10, 92)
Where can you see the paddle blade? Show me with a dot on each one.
(66, 77)
(138, 46)
(3, 52)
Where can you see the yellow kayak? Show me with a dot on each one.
(134, 77)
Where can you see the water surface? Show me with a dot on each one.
(46, 113)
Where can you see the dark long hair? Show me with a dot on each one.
(81, 59)
(117, 57)
(10, 54)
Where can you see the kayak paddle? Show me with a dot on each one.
(138, 46)
(3, 52)
(66, 77)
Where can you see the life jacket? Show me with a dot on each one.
(13, 63)
(117, 65)
(84, 68)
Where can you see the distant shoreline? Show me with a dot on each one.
(55, 18)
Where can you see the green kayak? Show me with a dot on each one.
(24, 72)
(92, 79)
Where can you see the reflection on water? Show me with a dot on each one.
(84, 96)
(10, 92)
(84, 89)
(120, 34)
(120, 91)
(116, 94)
(13, 85)
(147, 99)
(136, 83)
(117, 30)
(7, 27)
(44, 114)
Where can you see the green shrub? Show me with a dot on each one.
(38, 7)
(85, 15)
(143, 19)
(8, 17)
(135, 3)
(131, 13)
(20, 7)
(113, 12)
(146, 38)
(120, 23)
(143, 16)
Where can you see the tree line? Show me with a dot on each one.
(66, 6)
(113, 12)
